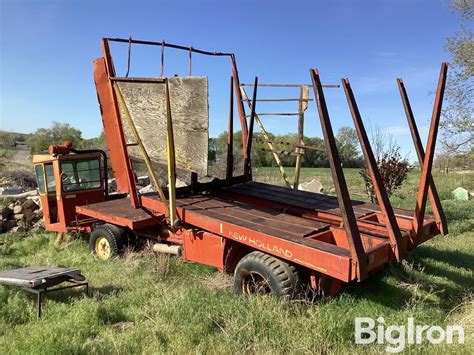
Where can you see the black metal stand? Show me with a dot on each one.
(40, 291)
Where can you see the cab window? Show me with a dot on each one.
(40, 178)
(81, 175)
(50, 182)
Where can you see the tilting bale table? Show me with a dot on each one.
(42, 279)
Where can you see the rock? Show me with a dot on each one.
(311, 186)
(461, 194)
(332, 190)
(180, 183)
(148, 188)
(38, 225)
(19, 216)
(17, 209)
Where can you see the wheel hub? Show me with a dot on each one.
(102, 248)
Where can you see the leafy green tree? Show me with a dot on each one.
(458, 117)
(348, 147)
(56, 134)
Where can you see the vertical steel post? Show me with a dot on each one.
(350, 224)
(240, 104)
(248, 146)
(432, 192)
(302, 106)
(382, 197)
(230, 134)
(267, 139)
(111, 118)
(429, 155)
(171, 160)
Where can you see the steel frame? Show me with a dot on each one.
(428, 158)
(345, 204)
(382, 197)
(369, 241)
(41, 291)
(432, 191)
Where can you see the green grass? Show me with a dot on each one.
(145, 304)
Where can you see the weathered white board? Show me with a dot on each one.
(146, 103)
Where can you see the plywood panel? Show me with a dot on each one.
(190, 114)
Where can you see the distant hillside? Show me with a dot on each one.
(8, 139)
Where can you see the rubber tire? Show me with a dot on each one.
(113, 235)
(282, 278)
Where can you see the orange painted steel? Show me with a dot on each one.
(432, 192)
(121, 164)
(334, 238)
(349, 220)
(382, 197)
(429, 155)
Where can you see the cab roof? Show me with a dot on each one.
(46, 158)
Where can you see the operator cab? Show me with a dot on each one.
(66, 180)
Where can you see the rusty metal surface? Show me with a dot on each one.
(348, 216)
(432, 192)
(248, 145)
(269, 222)
(121, 164)
(230, 134)
(429, 155)
(380, 191)
(297, 198)
(38, 276)
(119, 212)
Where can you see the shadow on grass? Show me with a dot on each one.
(456, 258)
(377, 289)
(447, 283)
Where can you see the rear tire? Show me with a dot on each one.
(105, 241)
(258, 273)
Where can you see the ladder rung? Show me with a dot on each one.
(292, 85)
(276, 114)
(278, 100)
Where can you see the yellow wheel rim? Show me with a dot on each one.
(102, 248)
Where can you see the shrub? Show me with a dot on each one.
(393, 171)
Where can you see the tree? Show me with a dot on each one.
(348, 147)
(57, 134)
(392, 166)
(458, 117)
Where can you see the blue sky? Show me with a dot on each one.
(47, 49)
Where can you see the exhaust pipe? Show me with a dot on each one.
(167, 249)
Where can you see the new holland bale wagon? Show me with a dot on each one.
(272, 238)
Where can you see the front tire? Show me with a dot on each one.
(258, 273)
(105, 241)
